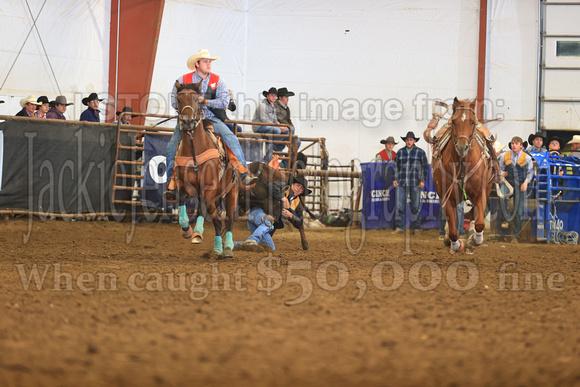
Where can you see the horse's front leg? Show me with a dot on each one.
(479, 211)
(451, 214)
(231, 203)
(186, 230)
(217, 223)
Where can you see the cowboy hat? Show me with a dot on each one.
(42, 99)
(389, 139)
(60, 100)
(498, 147)
(532, 137)
(1, 101)
(271, 91)
(575, 139)
(91, 97)
(30, 99)
(302, 181)
(555, 138)
(126, 109)
(283, 92)
(410, 135)
(201, 54)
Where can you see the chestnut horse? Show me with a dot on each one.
(462, 169)
(201, 170)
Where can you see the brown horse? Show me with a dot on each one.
(202, 170)
(462, 169)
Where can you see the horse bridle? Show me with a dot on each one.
(196, 120)
(469, 139)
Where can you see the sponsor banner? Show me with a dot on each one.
(380, 201)
(154, 170)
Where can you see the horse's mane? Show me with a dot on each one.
(189, 86)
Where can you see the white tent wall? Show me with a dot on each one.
(360, 71)
(512, 68)
(75, 35)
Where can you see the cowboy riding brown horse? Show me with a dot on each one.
(463, 167)
(203, 170)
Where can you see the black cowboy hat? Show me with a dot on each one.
(410, 135)
(390, 139)
(532, 137)
(271, 91)
(42, 99)
(555, 138)
(1, 101)
(301, 180)
(91, 97)
(283, 92)
(126, 109)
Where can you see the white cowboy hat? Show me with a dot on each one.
(575, 139)
(30, 99)
(201, 54)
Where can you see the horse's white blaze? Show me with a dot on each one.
(463, 117)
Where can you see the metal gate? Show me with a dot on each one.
(559, 71)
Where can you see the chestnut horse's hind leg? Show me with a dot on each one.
(212, 211)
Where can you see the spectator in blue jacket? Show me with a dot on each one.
(92, 113)
(410, 171)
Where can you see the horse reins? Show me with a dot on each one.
(189, 132)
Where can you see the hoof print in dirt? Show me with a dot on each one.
(250, 248)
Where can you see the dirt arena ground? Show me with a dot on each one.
(80, 306)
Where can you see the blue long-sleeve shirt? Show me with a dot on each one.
(410, 167)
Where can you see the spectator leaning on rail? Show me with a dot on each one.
(215, 100)
(283, 111)
(92, 113)
(41, 110)
(387, 154)
(410, 171)
(266, 113)
(28, 106)
(517, 167)
(58, 107)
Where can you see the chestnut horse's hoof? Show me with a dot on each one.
(197, 238)
(228, 253)
(460, 249)
(187, 234)
(305, 245)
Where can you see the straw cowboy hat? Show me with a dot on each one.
(271, 91)
(410, 135)
(498, 147)
(60, 100)
(283, 92)
(201, 54)
(30, 99)
(389, 140)
(91, 97)
(575, 139)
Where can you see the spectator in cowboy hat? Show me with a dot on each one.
(58, 107)
(554, 144)
(41, 110)
(387, 154)
(575, 145)
(126, 119)
(28, 106)
(283, 112)
(92, 113)
(537, 143)
(410, 174)
(266, 113)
